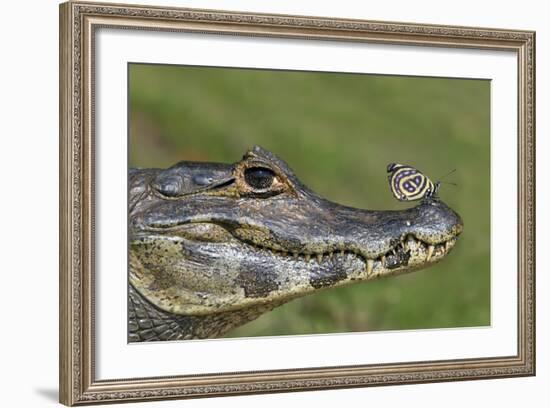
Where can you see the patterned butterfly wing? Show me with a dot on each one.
(407, 183)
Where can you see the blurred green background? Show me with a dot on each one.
(338, 132)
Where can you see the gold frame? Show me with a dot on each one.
(78, 22)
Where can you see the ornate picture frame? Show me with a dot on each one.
(79, 23)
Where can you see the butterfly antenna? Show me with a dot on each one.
(440, 181)
(448, 174)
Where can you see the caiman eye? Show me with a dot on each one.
(259, 178)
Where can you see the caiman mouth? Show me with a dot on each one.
(409, 250)
(203, 267)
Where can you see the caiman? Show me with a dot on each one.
(213, 246)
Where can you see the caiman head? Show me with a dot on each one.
(210, 239)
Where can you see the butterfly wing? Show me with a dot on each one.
(407, 183)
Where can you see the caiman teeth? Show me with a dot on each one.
(406, 244)
(430, 252)
(370, 265)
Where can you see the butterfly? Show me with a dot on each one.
(409, 184)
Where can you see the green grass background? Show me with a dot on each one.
(338, 132)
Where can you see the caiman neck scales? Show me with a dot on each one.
(213, 246)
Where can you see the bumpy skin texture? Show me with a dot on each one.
(149, 323)
(213, 246)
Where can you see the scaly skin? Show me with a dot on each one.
(209, 250)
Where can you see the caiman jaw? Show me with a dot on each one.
(409, 253)
(206, 267)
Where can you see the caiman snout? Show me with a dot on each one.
(436, 222)
(386, 241)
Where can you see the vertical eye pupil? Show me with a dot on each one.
(259, 177)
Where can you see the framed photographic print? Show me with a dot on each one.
(258, 203)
